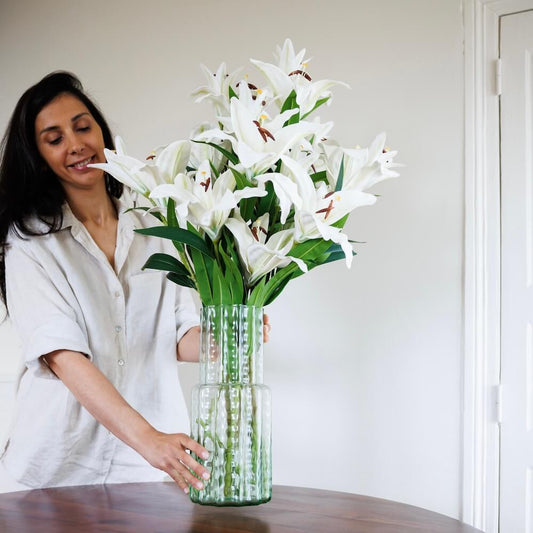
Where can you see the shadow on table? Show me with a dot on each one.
(225, 520)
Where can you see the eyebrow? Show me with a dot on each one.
(73, 119)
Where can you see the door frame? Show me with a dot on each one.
(482, 307)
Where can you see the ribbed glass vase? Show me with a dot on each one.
(231, 413)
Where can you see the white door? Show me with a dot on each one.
(516, 469)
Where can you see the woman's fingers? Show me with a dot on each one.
(190, 444)
(266, 328)
(188, 460)
(181, 474)
(192, 465)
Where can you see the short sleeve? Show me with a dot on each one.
(186, 314)
(40, 311)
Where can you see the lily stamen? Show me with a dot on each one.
(205, 184)
(301, 73)
(151, 156)
(251, 86)
(264, 132)
(254, 233)
(326, 210)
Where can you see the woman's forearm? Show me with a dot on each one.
(96, 393)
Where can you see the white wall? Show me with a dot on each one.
(365, 365)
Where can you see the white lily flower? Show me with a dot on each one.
(286, 190)
(287, 59)
(217, 89)
(321, 207)
(256, 101)
(144, 176)
(258, 142)
(259, 252)
(203, 201)
(290, 74)
(201, 152)
(364, 167)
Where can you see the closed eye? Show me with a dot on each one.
(55, 141)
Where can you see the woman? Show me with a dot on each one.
(99, 400)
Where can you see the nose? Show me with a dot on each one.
(76, 145)
(76, 148)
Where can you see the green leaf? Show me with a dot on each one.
(278, 290)
(160, 261)
(267, 203)
(233, 275)
(230, 155)
(173, 222)
(340, 223)
(309, 250)
(290, 102)
(340, 177)
(177, 234)
(215, 172)
(171, 213)
(258, 294)
(184, 281)
(203, 270)
(333, 253)
(335, 256)
(318, 104)
(247, 206)
(275, 284)
(240, 179)
(319, 176)
(232, 93)
(221, 292)
(294, 119)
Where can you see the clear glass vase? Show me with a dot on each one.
(231, 413)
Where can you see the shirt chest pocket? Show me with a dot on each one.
(149, 313)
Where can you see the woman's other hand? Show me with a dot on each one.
(266, 328)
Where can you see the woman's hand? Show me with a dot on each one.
(170, 453)
(188, 348)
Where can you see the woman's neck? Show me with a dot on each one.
(92, 207)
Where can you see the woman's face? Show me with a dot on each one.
(68, 138)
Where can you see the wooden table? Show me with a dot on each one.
(162, 507)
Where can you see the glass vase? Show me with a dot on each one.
(231, 413)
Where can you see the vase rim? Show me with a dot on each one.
(215, 306)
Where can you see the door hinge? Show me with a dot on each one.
(498, 77)
(498, 408)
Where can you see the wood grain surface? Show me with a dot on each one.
(162, 507)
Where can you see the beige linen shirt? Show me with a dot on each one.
(62, 293)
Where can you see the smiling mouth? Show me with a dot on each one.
(82, 164)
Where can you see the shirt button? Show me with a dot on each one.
(121, 362)
(117, 294)
(118, 329)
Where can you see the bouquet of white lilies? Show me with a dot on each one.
(262, 196)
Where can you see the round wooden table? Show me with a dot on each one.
(162, 507)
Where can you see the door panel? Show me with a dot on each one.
(516, 475)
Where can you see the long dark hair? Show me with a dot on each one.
(29, 189)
